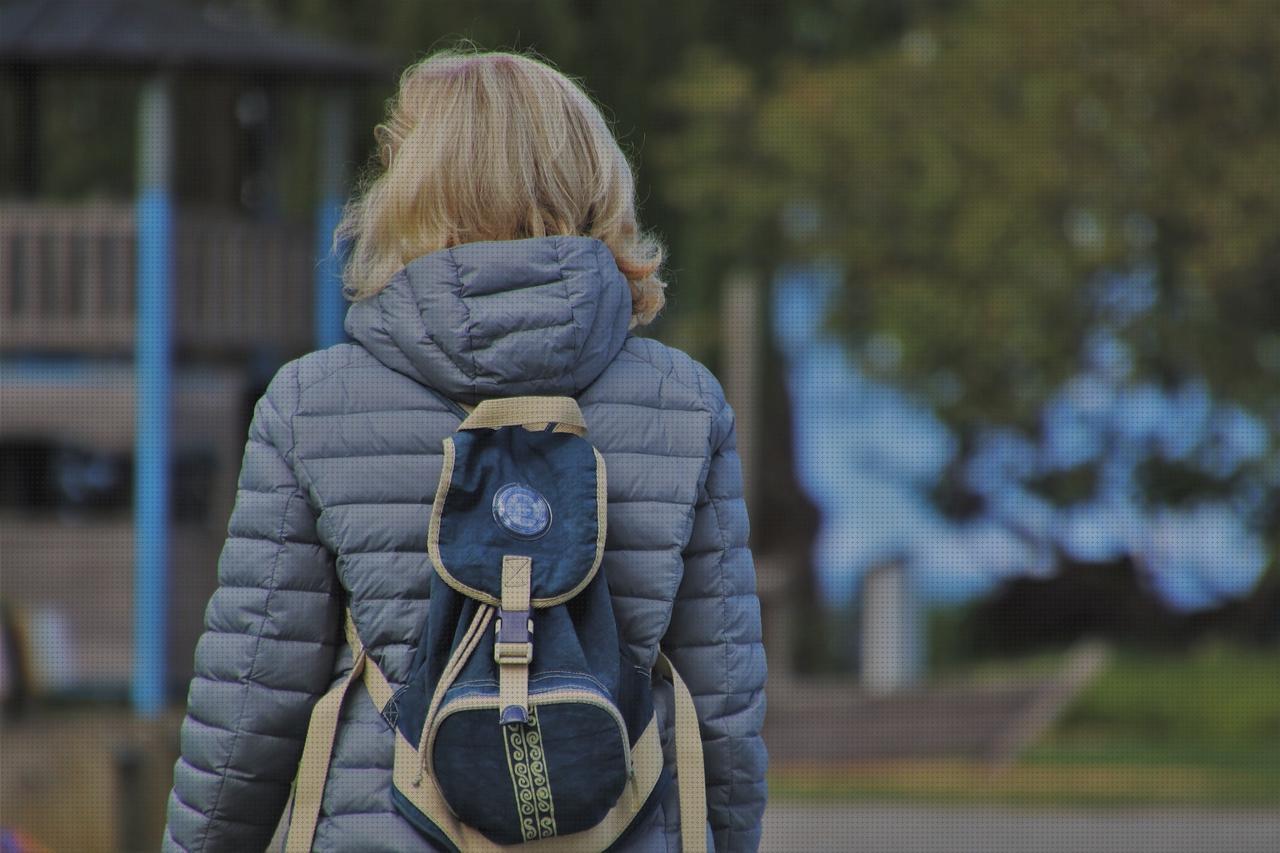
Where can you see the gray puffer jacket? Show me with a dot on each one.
(339, 472)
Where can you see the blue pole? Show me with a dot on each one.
(335, 156)
(154, 219)
(330, 309)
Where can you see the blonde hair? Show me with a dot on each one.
(494, 146)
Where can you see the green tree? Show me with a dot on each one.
(975, 175)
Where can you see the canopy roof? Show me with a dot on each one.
(149, 35)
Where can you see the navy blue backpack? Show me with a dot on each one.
(525, 722)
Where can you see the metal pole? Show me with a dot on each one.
(154, 216)
(335, 158)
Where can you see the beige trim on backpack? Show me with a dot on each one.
(518, 411)
(420, 789)
(453, 666)
(530, 412)
(410, 762)
(646, 757)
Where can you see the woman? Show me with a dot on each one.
(497, 254)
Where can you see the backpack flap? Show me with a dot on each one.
(518, 492)
(518, 522)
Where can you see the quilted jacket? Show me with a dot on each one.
(340, 468)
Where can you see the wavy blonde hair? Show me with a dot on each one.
(494, 146)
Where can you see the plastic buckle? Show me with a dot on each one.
(508, 653)
(513, 643)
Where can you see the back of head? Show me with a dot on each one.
(494, 146)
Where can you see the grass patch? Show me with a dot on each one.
(1213, 713)
(1218, 706)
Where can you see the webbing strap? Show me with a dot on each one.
(692, 779)
(313, 769)
(517, 578)
(513, 647)
(528, 411)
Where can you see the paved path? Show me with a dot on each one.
(943, 829)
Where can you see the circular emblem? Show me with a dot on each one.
(521, 511)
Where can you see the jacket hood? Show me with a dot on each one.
(543, 315)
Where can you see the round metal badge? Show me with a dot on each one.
(521, 511)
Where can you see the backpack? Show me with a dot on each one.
(525, 723)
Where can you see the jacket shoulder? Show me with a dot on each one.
(322, 364)
(296, 375)
(682, 380)
(339, 378)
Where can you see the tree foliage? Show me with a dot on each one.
(978, 176)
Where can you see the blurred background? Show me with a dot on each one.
(993, 288)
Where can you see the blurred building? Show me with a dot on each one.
(239, 291)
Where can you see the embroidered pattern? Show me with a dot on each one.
(528, 768)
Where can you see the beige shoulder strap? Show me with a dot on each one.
(690, 772)
(313, 770)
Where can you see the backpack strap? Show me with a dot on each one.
(313, 770)
(513, 647)
(527, 411)
(690, 773)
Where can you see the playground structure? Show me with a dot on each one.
(67, 284)
(134, 337)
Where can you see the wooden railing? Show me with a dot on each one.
(67, 280)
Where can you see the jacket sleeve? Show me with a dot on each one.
(714, 640)
(266, 653)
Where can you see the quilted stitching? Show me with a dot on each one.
(342, 460)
